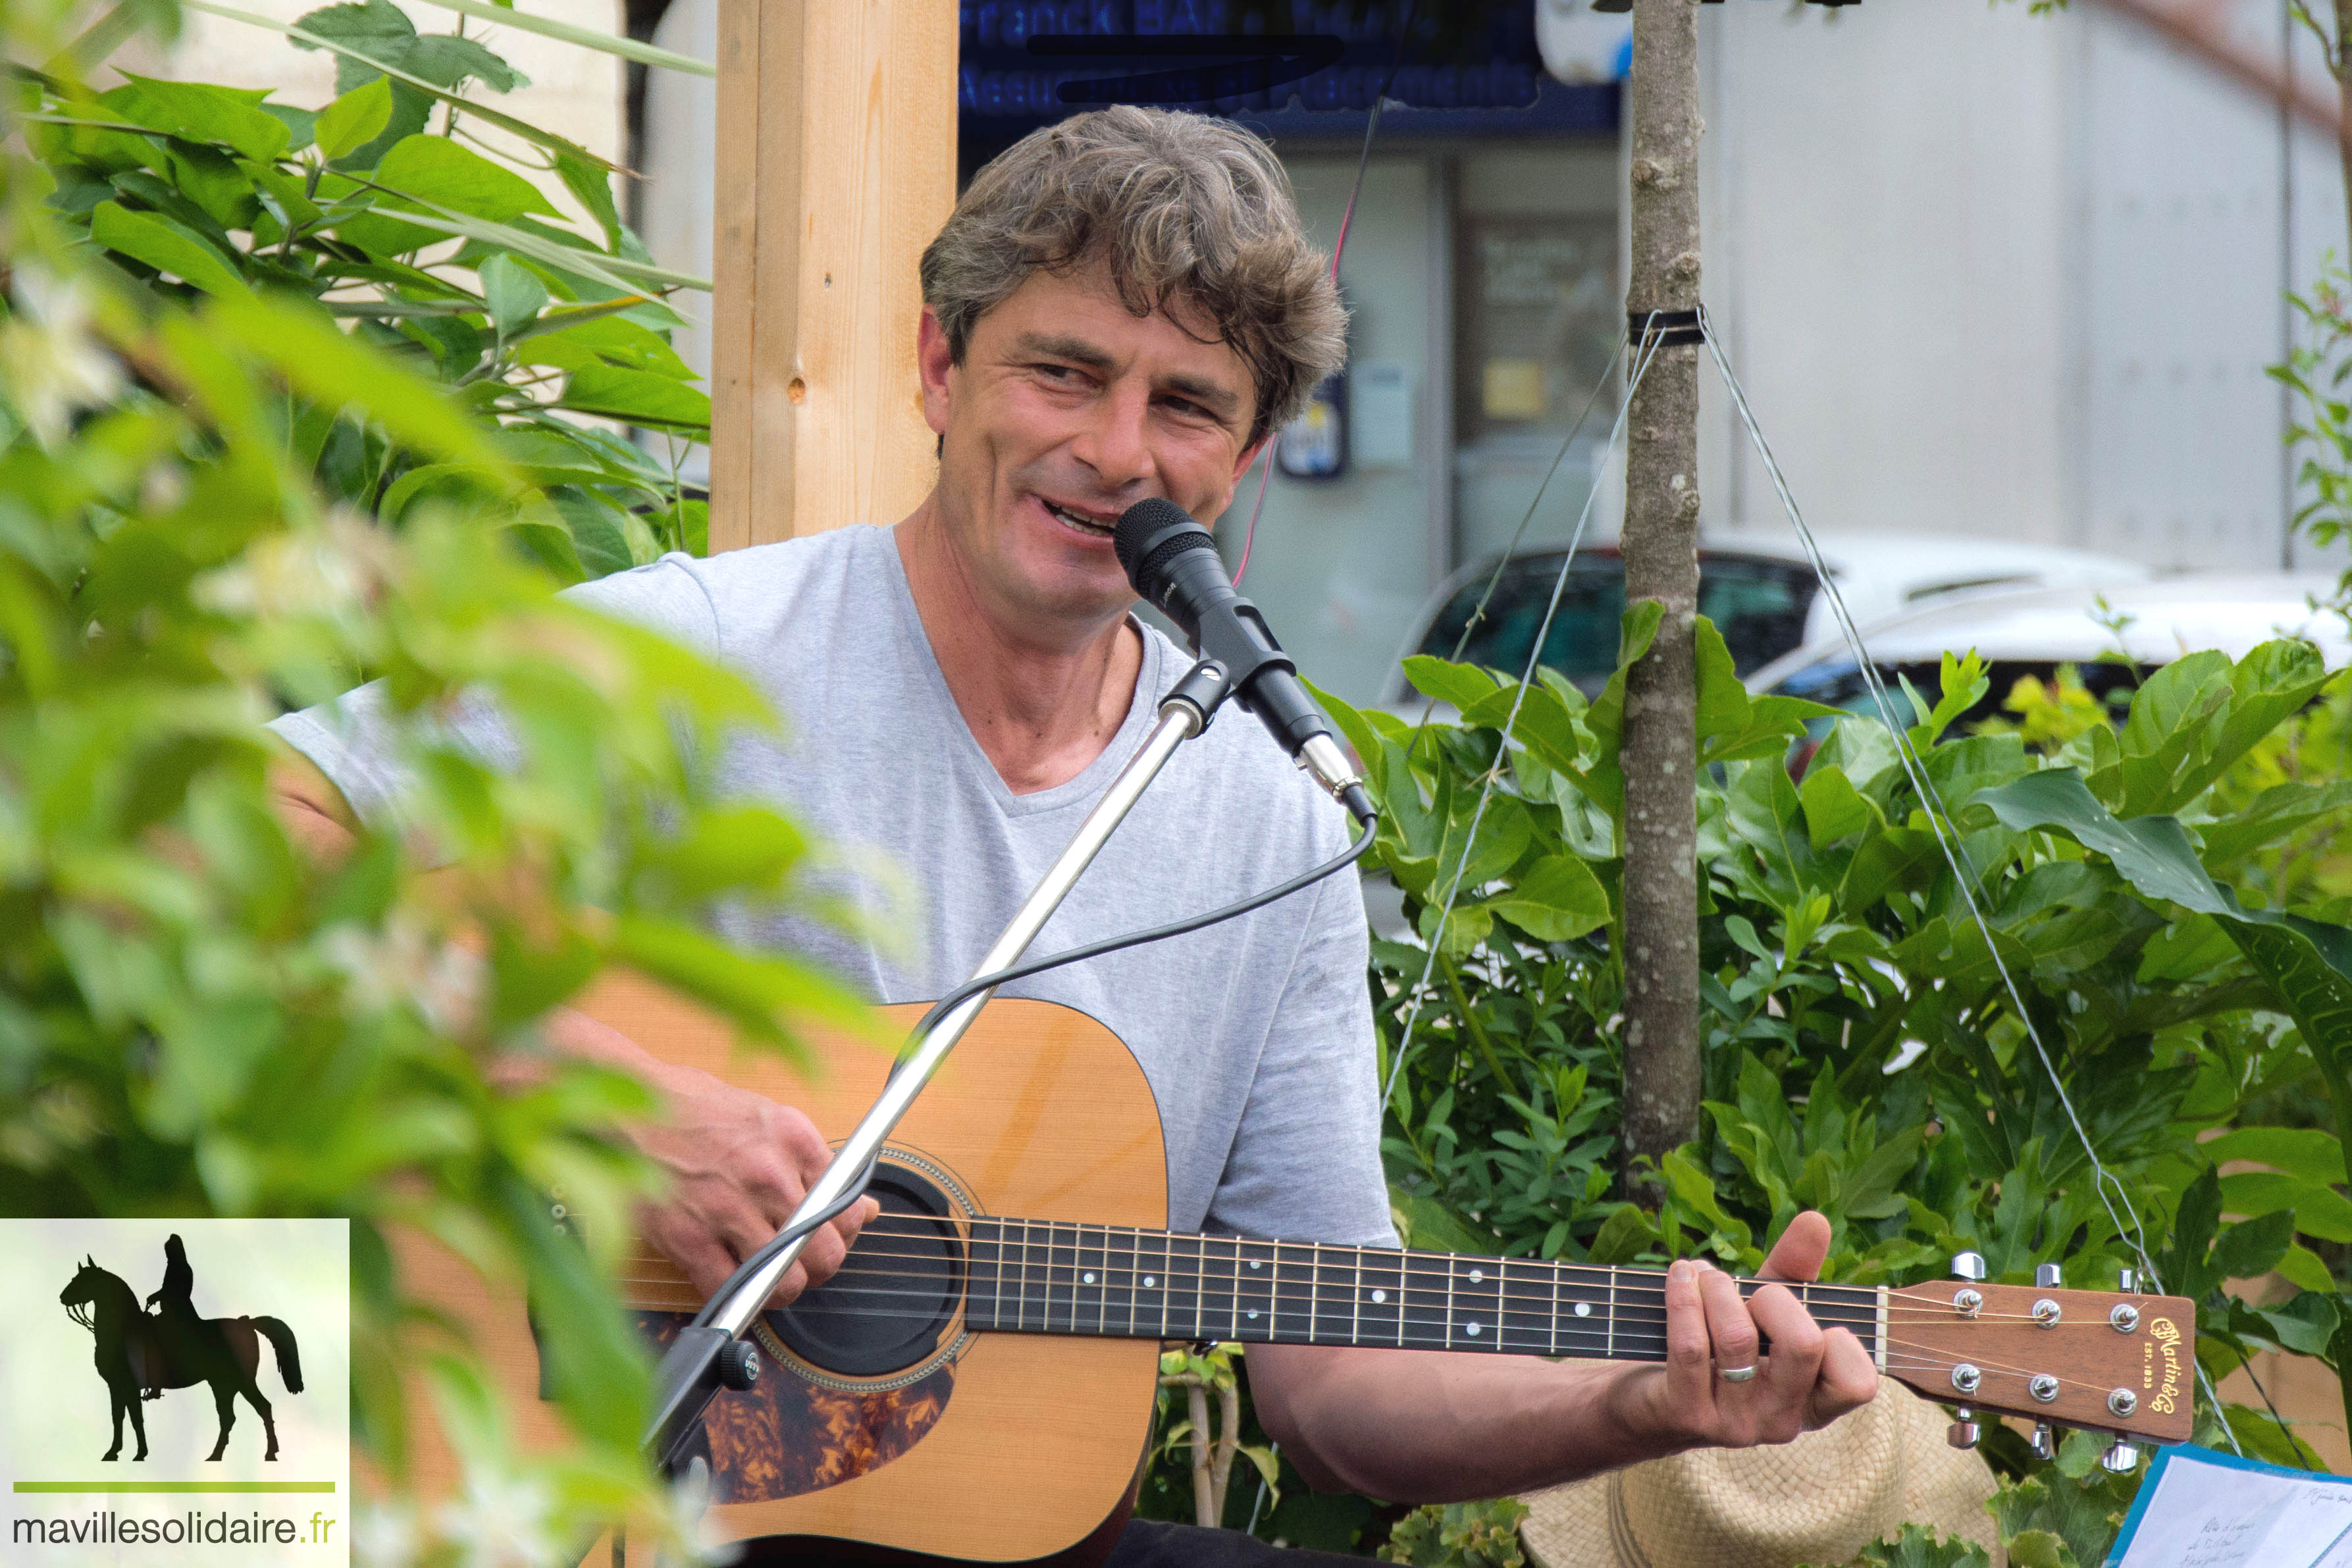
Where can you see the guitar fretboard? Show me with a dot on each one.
(1054, 1278)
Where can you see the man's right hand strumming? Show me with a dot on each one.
(737, 1164)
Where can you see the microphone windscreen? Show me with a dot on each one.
(1149, 533)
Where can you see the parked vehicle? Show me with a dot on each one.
(2112, 635)
(1763, 597)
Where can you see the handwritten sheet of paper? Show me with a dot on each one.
(2202, 1509)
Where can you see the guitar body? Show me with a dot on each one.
(976, 1383)
(999, 1448)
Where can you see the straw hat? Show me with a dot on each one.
(1818, 1500)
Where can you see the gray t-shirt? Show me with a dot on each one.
(1255, 1034)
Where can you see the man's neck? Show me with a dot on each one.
(1043, 697)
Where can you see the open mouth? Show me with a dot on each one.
(1085, 522)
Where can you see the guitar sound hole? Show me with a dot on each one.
(896, 1293)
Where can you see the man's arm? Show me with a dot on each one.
(739, 1164)
(1432, 1427)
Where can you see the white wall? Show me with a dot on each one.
(1883, 251)
(1988, 272)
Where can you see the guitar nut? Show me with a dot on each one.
(2124, 1318)
(2046, 1313)
(2122, 1402)
(1966, 1378)
(2043, 1386)
(1968, 1303)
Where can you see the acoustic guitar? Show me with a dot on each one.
(977, 1381)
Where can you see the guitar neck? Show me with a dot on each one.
(1057, 1278)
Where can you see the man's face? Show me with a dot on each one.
(1065, 411)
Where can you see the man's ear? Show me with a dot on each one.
(933, 360)
(1250, 454)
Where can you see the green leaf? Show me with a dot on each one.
(1834, 807)
(1555, 899)
(2271, 816)
(2252, 1248)
(355, 119)
(1722, 697)
(2318, 1211)
(592, 186)
(606, 340)
(2307, 1151)
(333, 369)
(438, 173)
(165, 245)
(2308, 964)
(1461, 685)
(204, 114)
(636, 396)
(515, 296)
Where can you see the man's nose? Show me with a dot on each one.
(1114, 443)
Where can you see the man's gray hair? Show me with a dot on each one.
(1187, 214)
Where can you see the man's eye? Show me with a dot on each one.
(1055, 371)
(1187, 408)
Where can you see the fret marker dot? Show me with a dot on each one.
(1474, 1331)
(1089, 1278)
(1252, 1263)
(1584, 1308)
(1252, 1314)
(1148, 1282)
(1478, 1277)
(1380, 1295)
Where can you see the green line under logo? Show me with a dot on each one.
(176, 1485)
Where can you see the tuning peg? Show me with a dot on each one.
(2047, 1276)
(1964, 1431)
(2122, 1460)
(1968, 1266)
(2045, 1441)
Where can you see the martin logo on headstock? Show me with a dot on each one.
(2114, 1362)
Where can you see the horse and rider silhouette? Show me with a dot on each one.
(141, 1353)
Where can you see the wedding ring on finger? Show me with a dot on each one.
(1736, 1373)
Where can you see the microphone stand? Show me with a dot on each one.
(699, 1361)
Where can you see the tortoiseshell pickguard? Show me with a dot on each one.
(785, 1437)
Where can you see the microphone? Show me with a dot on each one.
(1172, 564)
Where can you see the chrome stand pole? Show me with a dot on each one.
(688, 1378)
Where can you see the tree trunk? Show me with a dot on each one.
(2340, 58)
(1660, 549)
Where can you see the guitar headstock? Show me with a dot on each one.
(2115, 1362)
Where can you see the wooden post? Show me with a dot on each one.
(837, 165)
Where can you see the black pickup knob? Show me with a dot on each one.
(739, 1365)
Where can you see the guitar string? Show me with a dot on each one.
(1857, 1296)
(1064, 1317)
(1565, 1272)
(1519, 1307)
(1526, 1302)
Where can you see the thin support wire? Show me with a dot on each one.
(1649, 350)
(1966, 878)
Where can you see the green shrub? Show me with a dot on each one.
(1863, 1052)
(224, 359)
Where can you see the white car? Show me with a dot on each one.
(2111, 634)
(1763, 597)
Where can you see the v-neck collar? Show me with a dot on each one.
(1090, 779)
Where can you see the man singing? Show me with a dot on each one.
(1121, 306)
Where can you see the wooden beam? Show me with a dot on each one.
(837, 165)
